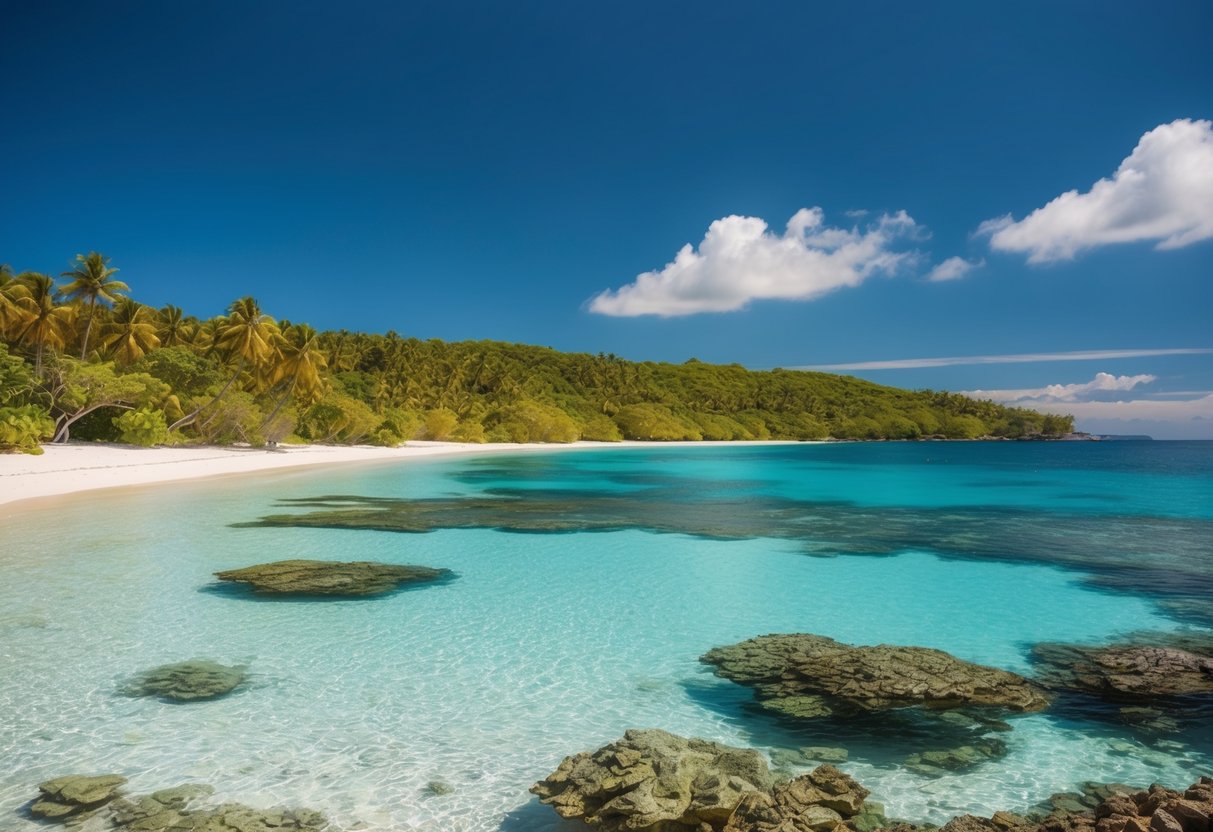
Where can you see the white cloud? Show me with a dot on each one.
(953, 268)
(1096, 411)
(1163, 191)
(1186, 419)
(740, 260)
(1014, 358)
(1053, 393)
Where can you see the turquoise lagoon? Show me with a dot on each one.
(589, 582)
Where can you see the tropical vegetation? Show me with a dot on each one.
(82, 359)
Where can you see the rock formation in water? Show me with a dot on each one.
(810, 676)
(656, 781)
(75, 794)
(189, 681)
(69, 799)
(1156, 809)
(820, 801)
(940, 762)
(1128, 670)
(320, 577)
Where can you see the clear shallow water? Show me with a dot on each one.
(548, 644)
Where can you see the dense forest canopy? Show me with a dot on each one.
(80, 358)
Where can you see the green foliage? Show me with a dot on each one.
(440, 424)
(342, 419)
(16, 377)
(24, 428)
(244, 377)
(79, 389)
(599, 428)
(145, 427)
(964, 427)
(530, 421)
(400, 425)
(654, 422)
(235, 418)
(470, 430)
(185, 371)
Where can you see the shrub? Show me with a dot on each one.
(600, 428)
(145, 427)
(439, 424)
(24, 428)
(654, 422)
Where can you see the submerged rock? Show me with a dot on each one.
(655, 781)
(1129, 670)
(809, 676)
(937, 763)
(168, 810)
(75, 794)
(816, 802)
(321, 577)
(188, 681)
(807, 756)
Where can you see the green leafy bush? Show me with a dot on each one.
(654, 422)
(24, 428)
(146, 427)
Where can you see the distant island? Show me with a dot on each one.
(80, 358)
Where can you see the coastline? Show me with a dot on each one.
(68, 469)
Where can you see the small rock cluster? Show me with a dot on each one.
(659, 782)
(656, 781)
(78, 797)
(75, 795)
(652, 781)
(821, 801)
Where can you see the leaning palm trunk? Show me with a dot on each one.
(88, 328)
(283, 400)
(192, 416)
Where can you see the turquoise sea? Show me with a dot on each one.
(589, 583)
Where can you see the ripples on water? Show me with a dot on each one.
(550, 643)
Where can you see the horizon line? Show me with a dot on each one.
(1012, 358)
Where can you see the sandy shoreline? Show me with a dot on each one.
(72, 468)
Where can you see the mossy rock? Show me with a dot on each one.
(331, 578)
(75, 794)
(191, 681)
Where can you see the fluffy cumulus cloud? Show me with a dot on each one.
(740, 260)
(953, 268)
(1163, 193)
(1103, 383)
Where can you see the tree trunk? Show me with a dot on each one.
(92, 303)
(62, 434)
(190, 417)
(281, 402)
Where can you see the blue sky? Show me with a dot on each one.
(467, 170)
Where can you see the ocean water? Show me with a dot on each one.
(589, 583)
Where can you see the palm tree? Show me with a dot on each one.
(301, 359)
(130, 333)
(92, 279)
(10, 290)
(171, 326)
(42, 321)
(245, 336)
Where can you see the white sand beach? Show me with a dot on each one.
(85, 466)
